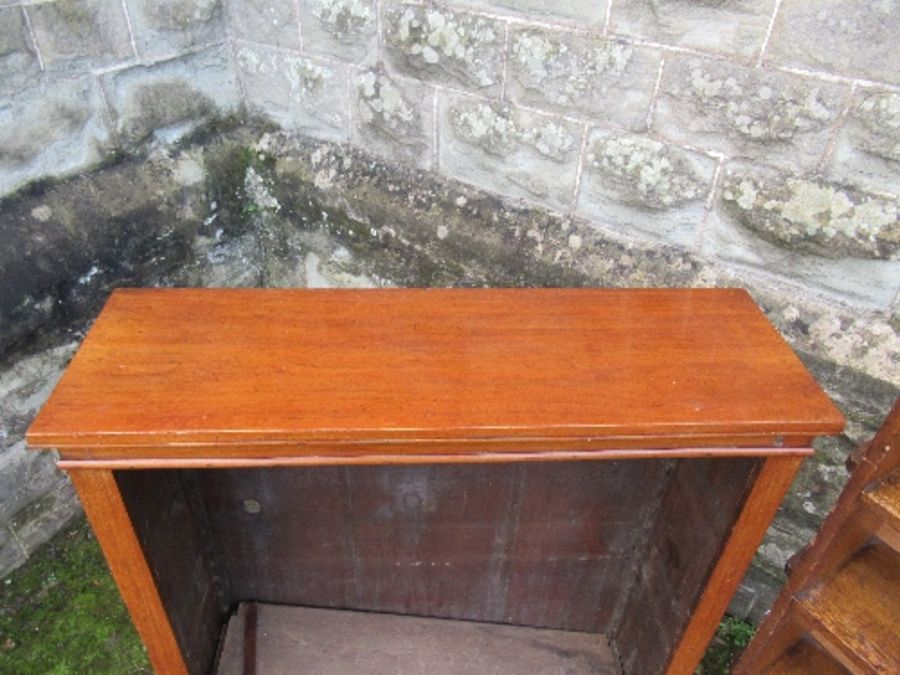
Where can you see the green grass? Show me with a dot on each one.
(61, 613)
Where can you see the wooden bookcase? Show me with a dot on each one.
(603, 461)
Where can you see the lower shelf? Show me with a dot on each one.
(263, 639)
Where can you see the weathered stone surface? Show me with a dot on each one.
(19, 66)
(346, 30)
(814, 217)
(770, 117)
(590, 12)
(176, 94)
(77, 36)
(850, 37)
(605, 80)
(272, 23)
(298, 92)
(42, 518)
(868, 148)
(50, 131)
(509, 151)
(394, 118)
(811, 215)
(727, 26)
(444, 46)
(640, 183)
(165, 27)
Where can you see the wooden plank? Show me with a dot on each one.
(805, 658)
(109, 518)
(324, 642)
(857, 612)
(194, 368)
(762, 503)
(884, 499)
(548, 545)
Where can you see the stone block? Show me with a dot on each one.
(867, 152)
(346, 30)
(812, 216)
(19, 66)
(582, 12)
(641, 184)
(817, 233)
(747, 113)
(446, 47)
(166, 27)
(302, 94)
(849, 37)
(272, 23)
(604, 80)
(51, 130)
(508, 150)
(45, 516)
(394, 118)
(26, 476)
(735, 27)
(79, 36)
(12, 555)
(174, 94)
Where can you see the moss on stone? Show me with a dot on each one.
(61, 613)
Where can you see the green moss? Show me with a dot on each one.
(732, 636)
(61, 613)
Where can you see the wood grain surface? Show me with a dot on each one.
(194, 368)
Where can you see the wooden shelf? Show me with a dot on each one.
(265, 639)
(806, 658)
(856, 614)
(884, 499)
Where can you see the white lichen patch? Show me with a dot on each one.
(827, 219)
(644, 172)
(464, 45)
(564, 70)
(490, 127)
(875, 125)
(759, 107)
(499, 130)
(344, 18)
(258, 192)
(305, 77)
(382, 105)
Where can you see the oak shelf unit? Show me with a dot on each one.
(593, 461)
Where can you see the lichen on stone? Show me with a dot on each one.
(566, 70)
(875, 125)
(498, 130)
(759, 108)
(490, 127)
(822, 218)
(645, 172)
(344, 18)
(550, 139)
(382, 105)
(305, 77)
(432, 38)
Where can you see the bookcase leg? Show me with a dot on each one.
(759, 509)
(106, 512)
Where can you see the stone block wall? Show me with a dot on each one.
(760, 134)
(81, 79)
